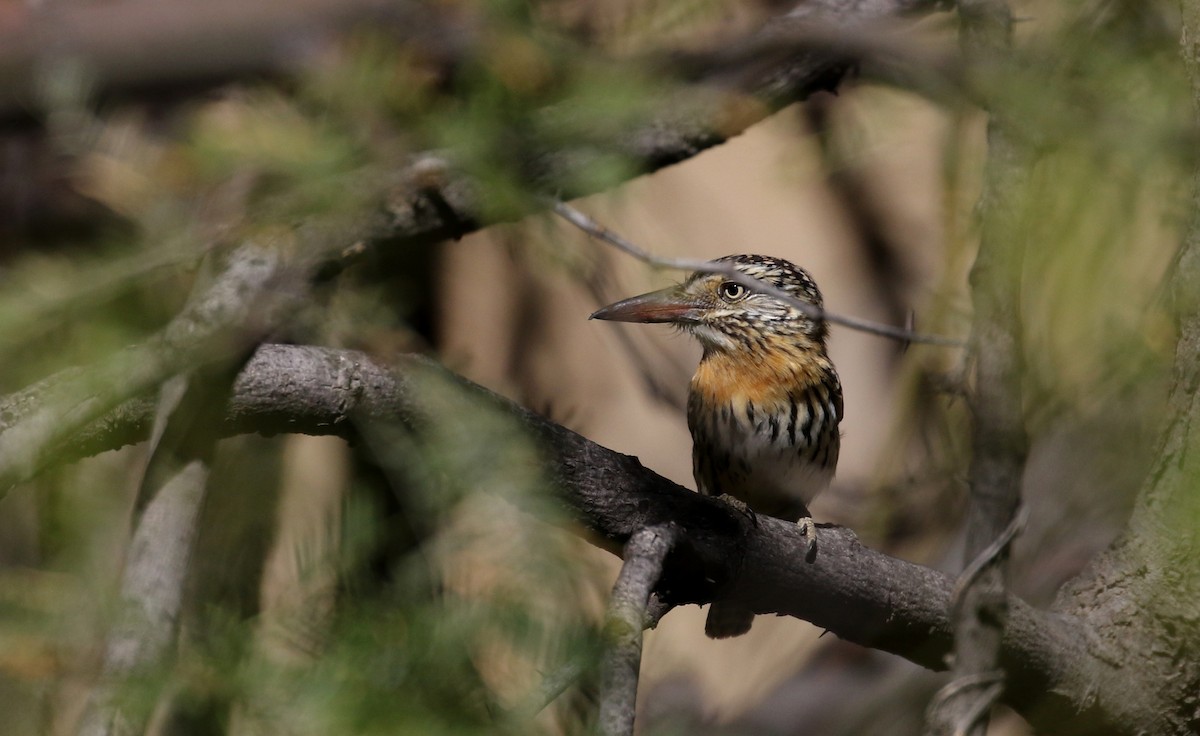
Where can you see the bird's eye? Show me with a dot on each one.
(732, 291)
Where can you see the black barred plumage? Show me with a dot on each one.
(765, 402)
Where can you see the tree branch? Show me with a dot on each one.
(595, 230)
(623, 625)
(260, 284)
(143, 45)
(41, 417)
(998, 442)
(151, 593)
(859, 594)
(166, 515)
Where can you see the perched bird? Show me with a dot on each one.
(765, 402)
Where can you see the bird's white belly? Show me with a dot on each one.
(778, 472)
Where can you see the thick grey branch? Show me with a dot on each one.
(855, 592)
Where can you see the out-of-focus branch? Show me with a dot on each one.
(259, 285)
(138, 45)
(166, 515)
(627, 612)
(998, 441)
(144, 45)
(165, 530)
(41, 417)
(873, 43)
(152, 593)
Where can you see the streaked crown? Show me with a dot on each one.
(745, 315)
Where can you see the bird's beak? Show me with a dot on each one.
(666, 305)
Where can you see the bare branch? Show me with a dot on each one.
(859, 594)
(152, 591)
(556, 683)
(986, 558)
(166, 516)
(618, 664)
(138, 45)
(1053, 676)
(258, 286)
(644, 556)
(594, 229)
(962, 706)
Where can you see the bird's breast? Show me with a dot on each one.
(765, 433)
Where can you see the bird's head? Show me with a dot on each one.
(726, 315)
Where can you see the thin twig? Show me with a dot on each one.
(973, 711)
(959, 684)
(556, 683)
(993, 684)
(594, 229)
(644, 556)
(972, 719)
(989, 554)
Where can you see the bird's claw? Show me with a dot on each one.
(740, 506)
(809, 529)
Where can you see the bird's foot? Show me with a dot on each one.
(740, 506)
(809, 529)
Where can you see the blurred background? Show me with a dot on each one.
(393, 585)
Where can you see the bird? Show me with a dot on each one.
(765, 402)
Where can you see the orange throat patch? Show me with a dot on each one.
(764, 377)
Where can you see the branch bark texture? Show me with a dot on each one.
(627, 612)
(858, 593)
